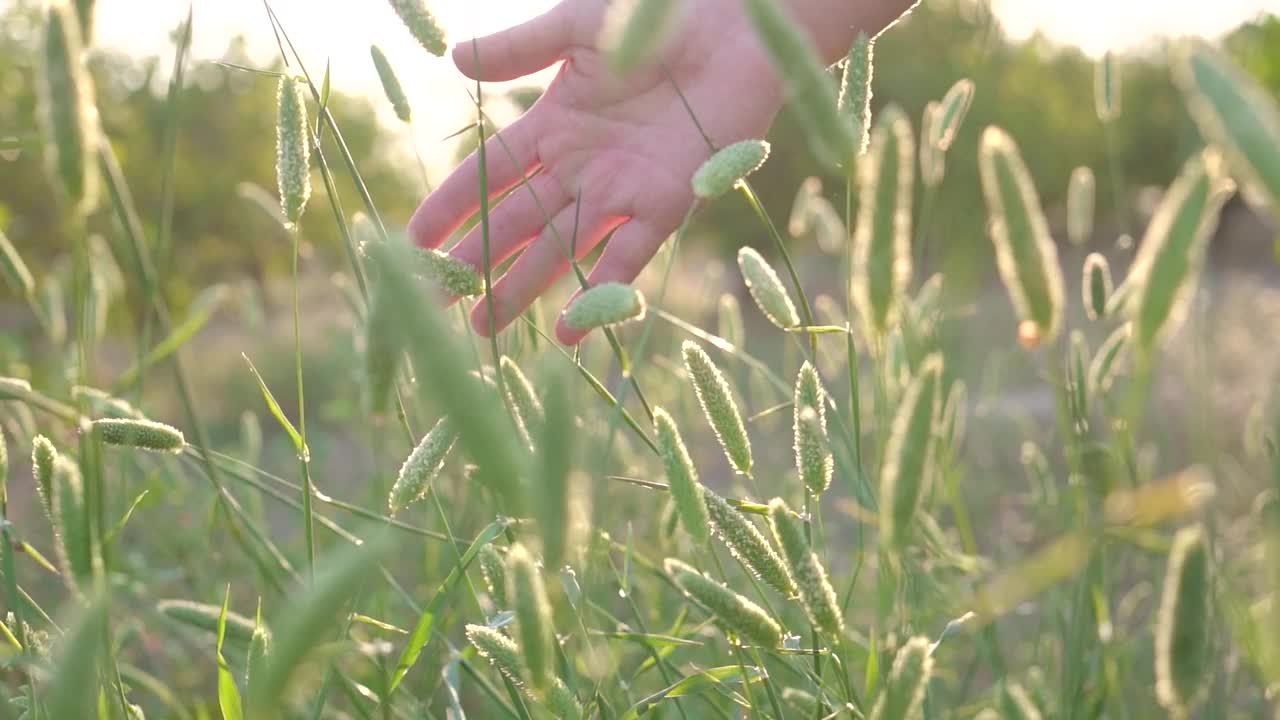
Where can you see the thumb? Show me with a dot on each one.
(520, 50)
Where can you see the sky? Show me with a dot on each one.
(341, 31)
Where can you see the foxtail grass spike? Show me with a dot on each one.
(203, 616)
(817, 597)
(802, 701)
(391, 85)
(1236, 113)
(733, 611)
(766, 289)
(1106, 362)
(15, 271)
(71, 523)
(717, 404)
(493, 569)
(561, 701)
(68, 114)
(1106, 88)
(421, 24)
(1025, 253)
(1078, 378)
(747, 544)
(499, 650)
(908, 461)
(12, 388)
(730, 324)
(855, 89)
(809, 427)
(450, 274)
(522, 395)
(1081, 196)
(141, 434)
(1166, 269)
(293, 149)
(727, 167)
(604, 305)
(933, 161)
(808, 88)
(259, 646)
(422, 466)
(1183, 646)
(904, 688)
(533, 615)
(882, 237)
(951, 113)
(635, 32)
(682, 477)
(1096, 287)
(43, 457)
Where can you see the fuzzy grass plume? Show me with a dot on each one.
(854, 100)
(731, 610)
(391, 85)
(499, 650)
(682, 477)
(293, 148)
(140, 434)
(43, 457)
(809, 431)
(951, 113)
(747, 544)
(1106, 363)
(421, 24)
(534, 627)
(493, 569)
(904, 688)
(522, 396)
(767, 289)
(1166, 269)
(1081, 196)
(1235, 113)
(882, 236)
(1025, 252)
(1096, 286)
(421, 467)
(68, 114)
(817, 597)
(717, 404)
(727, 167)
(604, 305)
(448, 273)
(1183, 651)
(908, 461)
(933, 161)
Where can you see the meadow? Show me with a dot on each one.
(810, 478)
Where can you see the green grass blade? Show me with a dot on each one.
(276, 411)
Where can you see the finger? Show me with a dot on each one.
(543, 262)
(509, 155)
(514, 222)
(628, 252)
(517, 51)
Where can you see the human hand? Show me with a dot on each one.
(611, 154)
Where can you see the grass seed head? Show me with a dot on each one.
(635, 32)
(391, 85)
(293, 148)
(522, 395)
(202, 616)
(933, 161)
(951, 114)
(1106, 88)
(141, 434)
(561, 701)
(12, 388)
(733, 611)
(450, 274)
(533, 615)
(717, 404)
(603, 305)
(1166, 269)
(1081, 191)
(493, 569)
(68, 113)
(855, 89)
(71, 523)
(15, 271)
(802, 701)
(1236, 113)
(729, 165)
(1106, 364)
(422, 466)
(1025, 253)
(1183, 650)
(809, 428)
(499, 650)
(908, 457)
(882, 235)
(817, 597)
(904, 689)
(43, 456)
(747, 544)
(1096, 286)
(421, 24)
(767, 289)
(259, 647)
(682, 478)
